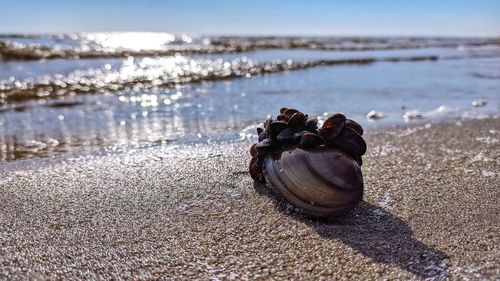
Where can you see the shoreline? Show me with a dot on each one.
(430, 211)
(47, 152)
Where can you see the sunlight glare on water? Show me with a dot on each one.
(131, 40)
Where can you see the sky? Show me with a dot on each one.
(255, 17)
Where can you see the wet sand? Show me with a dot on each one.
(431, 209)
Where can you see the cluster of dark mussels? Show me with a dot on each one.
(293, 128)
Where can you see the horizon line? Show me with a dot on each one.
(5, 34)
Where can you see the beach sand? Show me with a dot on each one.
(431, 210)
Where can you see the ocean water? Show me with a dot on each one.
(105, 92)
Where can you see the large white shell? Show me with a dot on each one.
(322, 181)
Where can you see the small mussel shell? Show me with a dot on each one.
(289, 112)
(255, 169)
(322, 181)
(298, 119)
(311, 125)
(261, 134)
(297, 137)
(310, 140)
(274, 128)
(350, 141)
(355, 126)
(286, 135)
(281, 118)
(332, 126)
(253, 150)
(265, 146)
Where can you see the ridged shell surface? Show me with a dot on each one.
(322, 181)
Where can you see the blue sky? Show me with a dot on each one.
(255, 17)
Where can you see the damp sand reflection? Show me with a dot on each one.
(107, 132)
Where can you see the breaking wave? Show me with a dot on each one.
(156, 73)
(124, 44)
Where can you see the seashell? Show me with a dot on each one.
(289, 112)
(267, 122)
(332, 126)
(298, 119)
(261, 134)
(253, 150)
(350, 141)
(297, 137)
(321, 181)
(479, 103)
(281, 118)
(265, 146)
(311, 125)
(318, 173)
(309, 140)
(374, 115)
(275, 127)
(256, 169)
(285, 135)
(413, 114)
(355, 126)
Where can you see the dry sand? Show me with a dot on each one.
(431, 210)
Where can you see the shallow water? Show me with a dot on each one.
(112, 103)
